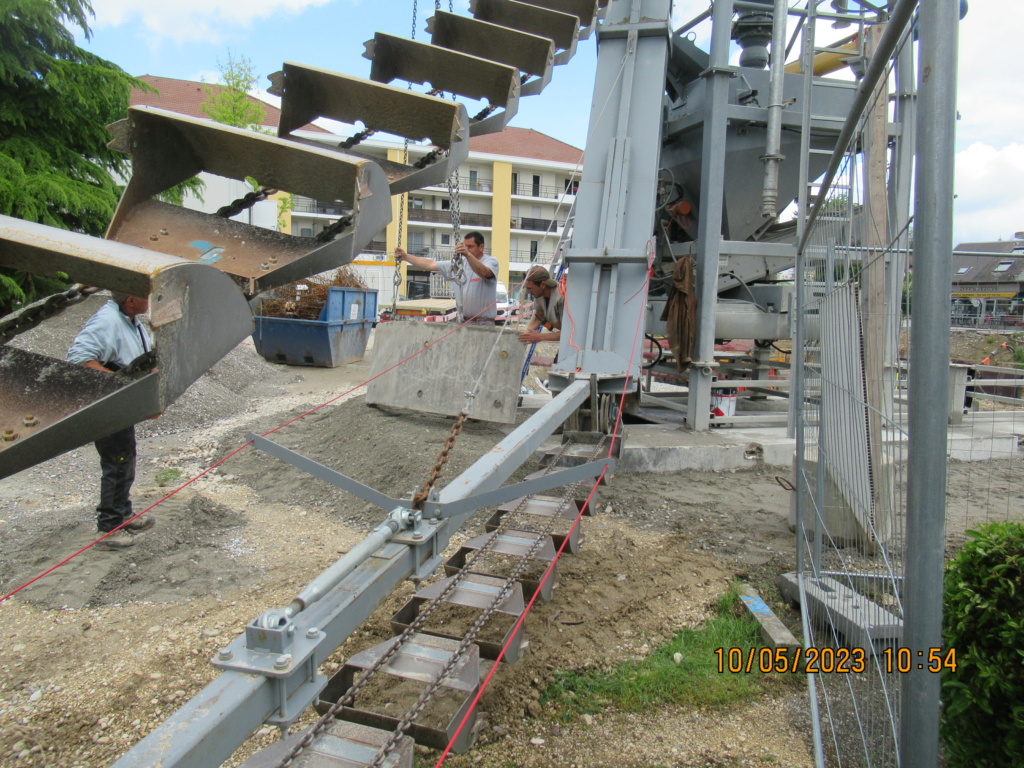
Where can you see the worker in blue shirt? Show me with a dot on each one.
(110, 340)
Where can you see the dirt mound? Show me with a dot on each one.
(192, 551)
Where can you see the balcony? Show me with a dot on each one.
(528, 189)
(553, 226)
(526, 256)
(445, 217)
(306, 205)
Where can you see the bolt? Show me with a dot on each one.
(417, 535)
(9, 435)
(225, 654)
(265, 267)
(283, 661)
(312, 633)
(30, 420)
(290, 629)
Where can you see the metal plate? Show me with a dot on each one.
(530, 54)
(398, 58)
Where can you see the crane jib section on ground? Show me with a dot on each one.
(270, 673)
(41, 418)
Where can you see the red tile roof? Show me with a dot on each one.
(187, 97)
(526, 142)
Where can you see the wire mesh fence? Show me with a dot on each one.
(851, 417)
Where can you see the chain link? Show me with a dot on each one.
(32, 315)
(356, 138)
(442, 459)
(245, 203)
(457, 268)
(335, 229)
(142, 364)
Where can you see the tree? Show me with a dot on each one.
(231, 104)
(55, 103)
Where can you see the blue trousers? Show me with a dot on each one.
(117, 462)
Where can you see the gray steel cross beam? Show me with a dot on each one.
(271, 672)
(615, 205)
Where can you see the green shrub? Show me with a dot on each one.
(983, 701)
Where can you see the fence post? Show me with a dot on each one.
(929, 379)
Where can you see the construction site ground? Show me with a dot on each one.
(100, 651)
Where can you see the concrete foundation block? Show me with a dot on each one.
(436, 380)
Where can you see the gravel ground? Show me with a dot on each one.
(104, 648)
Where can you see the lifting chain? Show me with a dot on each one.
(335, 229)
(245, 203)
(442, 459)
(457, 269)
(32, 315)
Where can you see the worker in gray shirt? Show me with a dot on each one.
(476, 297)
(110, 340)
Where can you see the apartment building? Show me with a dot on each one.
(516, 188)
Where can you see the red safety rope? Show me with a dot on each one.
(558, 554)
(228, 456)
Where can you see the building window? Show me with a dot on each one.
(515, 183)
(446, 204)
(963, 270)
(473, 180)
(1004, 266)
(306, 232)
(572, 186)
(446, 239)
(535, 189)
(533, 250)
(416, 203)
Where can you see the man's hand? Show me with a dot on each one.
(531, 337)
(401, 255)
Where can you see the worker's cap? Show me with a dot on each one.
(540, 276)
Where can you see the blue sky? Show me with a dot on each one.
(187, 38)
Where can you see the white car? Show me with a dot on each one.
(508, 306)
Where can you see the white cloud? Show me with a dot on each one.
(989, 91)
(990, 192)
(192, 20)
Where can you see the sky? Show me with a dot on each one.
(189, 39)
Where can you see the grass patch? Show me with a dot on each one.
(167, 477)
(658, 680)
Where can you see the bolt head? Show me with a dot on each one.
(312, 633)
(283, 661)
(225, 654)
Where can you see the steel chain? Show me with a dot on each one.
(356, 138)
(442, 459)
(457, 268)
(245, 203)
(335, 229)
(144, 363)
(28, 317)
(396, 736)
(430, 157)
(421, 618)
(484, 112)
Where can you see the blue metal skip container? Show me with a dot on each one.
(338, 337)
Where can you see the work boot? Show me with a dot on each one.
(118, 540)
(140, 525)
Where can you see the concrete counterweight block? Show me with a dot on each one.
(437, 379)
